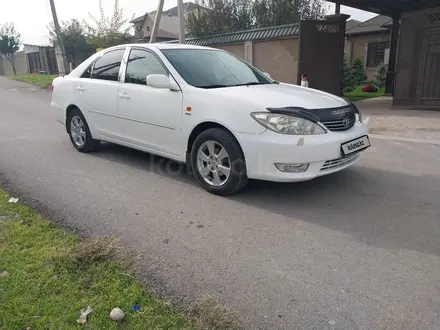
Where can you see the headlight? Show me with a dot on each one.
(285, 124)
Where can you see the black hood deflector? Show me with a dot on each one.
(315, 115)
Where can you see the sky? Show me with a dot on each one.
(31, 17)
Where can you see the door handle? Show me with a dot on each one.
(81, 88)
(124, 96)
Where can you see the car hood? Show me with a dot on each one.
(279, 95)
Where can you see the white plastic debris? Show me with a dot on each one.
(13, 200)
(331, 322)
(4, 273)
(117, 314)
(83, 315)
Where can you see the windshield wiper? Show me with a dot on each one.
(250, 84)
(212, 86)
(244, 84)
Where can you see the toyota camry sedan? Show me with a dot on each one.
(228, 121)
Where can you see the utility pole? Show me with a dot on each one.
(156, 21)
(181, 21)
(60, 40)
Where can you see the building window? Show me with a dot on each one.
(376, 53)
(148, 28)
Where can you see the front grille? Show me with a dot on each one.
(340, 125)
(338, 162)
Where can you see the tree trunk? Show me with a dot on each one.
(2, 70)
(11, 60)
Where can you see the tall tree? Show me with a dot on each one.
(108, 31)
(220, 16)
(75, 40)
(9, 43)
(224, 16)
(280, 12)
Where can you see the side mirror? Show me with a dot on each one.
(267, 75)
(158, 81)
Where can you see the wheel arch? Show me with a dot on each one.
(201, 127)
(69, 109)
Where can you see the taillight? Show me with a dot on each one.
(52, 88)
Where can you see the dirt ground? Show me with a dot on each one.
(402, 123)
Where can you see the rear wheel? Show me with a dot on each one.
(79, 132)
(218, 162)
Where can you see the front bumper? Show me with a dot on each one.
(321, 152)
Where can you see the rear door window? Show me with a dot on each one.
(108, 65)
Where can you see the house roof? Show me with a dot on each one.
(351, 23)
(172, 12)
(272, 32)
(187, 6)
(376, 24)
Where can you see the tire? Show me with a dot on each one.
(76, 120)
(209, 163)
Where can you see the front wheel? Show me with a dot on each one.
(79, 132)
(218, 162)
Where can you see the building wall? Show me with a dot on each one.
(236, 49)
(20, 64)
(356, 46)
(279, 57)
(147, 27)
(348, 49)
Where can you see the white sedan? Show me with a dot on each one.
(209, 109)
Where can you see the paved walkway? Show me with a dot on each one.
(400, 123)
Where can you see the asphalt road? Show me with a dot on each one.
(355, 250)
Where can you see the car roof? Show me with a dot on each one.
(162, 46)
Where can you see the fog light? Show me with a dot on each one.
(292, 168)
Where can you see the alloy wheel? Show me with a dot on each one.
(213, 163)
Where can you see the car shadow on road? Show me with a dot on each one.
(145, 161)
(386, 209)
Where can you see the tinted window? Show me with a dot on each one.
(142, 63)
(211, 68)
(107, 66)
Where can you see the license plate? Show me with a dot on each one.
(355, 145)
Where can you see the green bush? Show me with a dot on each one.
(358, 71)
(381, 76)
(348, 79)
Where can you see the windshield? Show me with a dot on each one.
(205, 68)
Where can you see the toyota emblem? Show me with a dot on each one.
(346, 122)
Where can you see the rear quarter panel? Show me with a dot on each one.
(62, 96)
